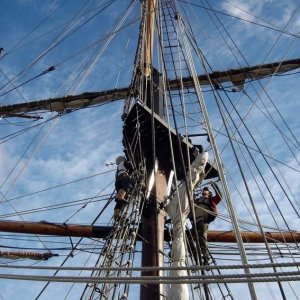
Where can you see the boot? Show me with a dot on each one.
(121, 196)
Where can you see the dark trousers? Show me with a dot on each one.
(202, 229)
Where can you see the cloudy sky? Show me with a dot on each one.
(54, 161)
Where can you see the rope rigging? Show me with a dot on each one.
(271, 27)
(119, 247)
(178, 67)
(230, 113)
(253, 293)
(167, 137)
(62, 36)
(263, 89)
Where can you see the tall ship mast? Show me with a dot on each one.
(191, 96)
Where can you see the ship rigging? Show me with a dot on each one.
(176, 101)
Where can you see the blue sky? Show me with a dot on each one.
(38, 34)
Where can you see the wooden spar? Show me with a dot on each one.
(54, 229)
(253, 237)
(89, 231)
(148, 38)
(63, 104)
(28, 254)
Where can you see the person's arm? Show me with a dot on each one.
(216, 189)
(128, 166)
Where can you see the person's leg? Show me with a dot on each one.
(122, 185)
(202, 228)
(205, 249)
(121, 195)
(191, 244)
(118, 209)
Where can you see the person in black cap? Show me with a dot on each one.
(123, 184)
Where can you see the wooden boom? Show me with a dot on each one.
(104, 231)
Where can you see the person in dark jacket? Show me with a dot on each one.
(123, 184)
(205, 212)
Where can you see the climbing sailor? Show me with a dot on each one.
(123, 184)
(205, 212)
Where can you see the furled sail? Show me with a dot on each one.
(178, 210)
(68, 103)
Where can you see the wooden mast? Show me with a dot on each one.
(155, 224)
(153, 220)
(148, 38)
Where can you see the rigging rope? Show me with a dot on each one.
(200, 279)
(272, 27)
(60, 185)
(71, 252)
(50, 69)
(185, 118)
(218, 161)
(58, 40)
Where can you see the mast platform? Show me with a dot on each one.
(139, 124)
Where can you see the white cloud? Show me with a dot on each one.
(82, 142)
(240, 8)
